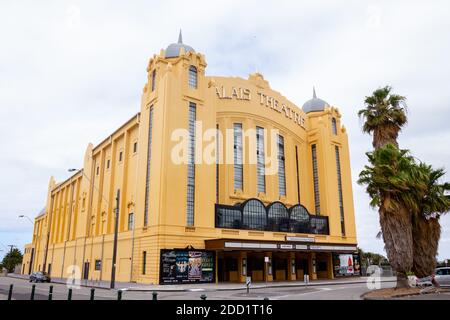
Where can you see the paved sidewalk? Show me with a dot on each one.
(129, 286)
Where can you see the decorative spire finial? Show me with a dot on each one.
(180, 38)
(314, 93)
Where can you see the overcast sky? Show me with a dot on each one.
(71, 72)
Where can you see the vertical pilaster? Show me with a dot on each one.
(242, 256)
(291, 267)
(268, 265)
(330, 266)
(312, 266)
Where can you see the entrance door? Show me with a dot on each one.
(255, 268)
(231, 269)
(220, 271)
(280, 268)
(302, 266)
(86, 271)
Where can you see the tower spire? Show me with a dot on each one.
(180, 38)
(314, 93)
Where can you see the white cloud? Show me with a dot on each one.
(73, 71)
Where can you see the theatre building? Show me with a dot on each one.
(214, 179)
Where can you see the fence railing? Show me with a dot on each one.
(91, 296)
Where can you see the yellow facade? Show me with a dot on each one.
(77, 227)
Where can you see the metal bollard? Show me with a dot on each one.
(50, 293)
(155, 295)
(69, 295)
(92, 293)
(10, 292)
(33, 288)
(203, 297)
(119, 295)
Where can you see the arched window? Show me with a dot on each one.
(153, 80)
(299, 220)
(254, 215)
(334, 126)
(193, 77)
(278, 217)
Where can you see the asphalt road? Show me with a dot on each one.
(22, 291)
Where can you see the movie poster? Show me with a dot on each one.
(187, 266)
(207, 267)
(182, 262)
(346, 265)
(168, 265)
(356, 265)
(195, 265)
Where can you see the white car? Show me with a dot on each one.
(442, 276)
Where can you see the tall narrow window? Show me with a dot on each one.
(192, 77)
(191, 167)
(339, 181)
(153, 80)
(130, 221)
(298, 174)
(281, 167)
(334, 126)
(149, 157)
(238, 167)
(260, 170)
(217, 162)
(316, 179)
(144, 261)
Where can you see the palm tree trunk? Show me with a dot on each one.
(426, 234)
(381, 138)
(397, 236)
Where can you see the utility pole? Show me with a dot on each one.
(116, 226)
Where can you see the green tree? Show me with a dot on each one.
(371, 258)
(11, 259)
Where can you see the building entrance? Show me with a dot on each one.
(280, 267)
(236, 265)
(227, 268)
(255, 267)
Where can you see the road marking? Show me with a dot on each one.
(296, 294)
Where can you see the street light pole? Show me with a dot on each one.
(116, 226)
(114, 257)
(24, 216)
(89, 180)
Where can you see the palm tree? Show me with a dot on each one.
(388, 181)
(431, 203)
(384, 116)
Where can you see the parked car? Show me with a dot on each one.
(442, 276)
(39, 277)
